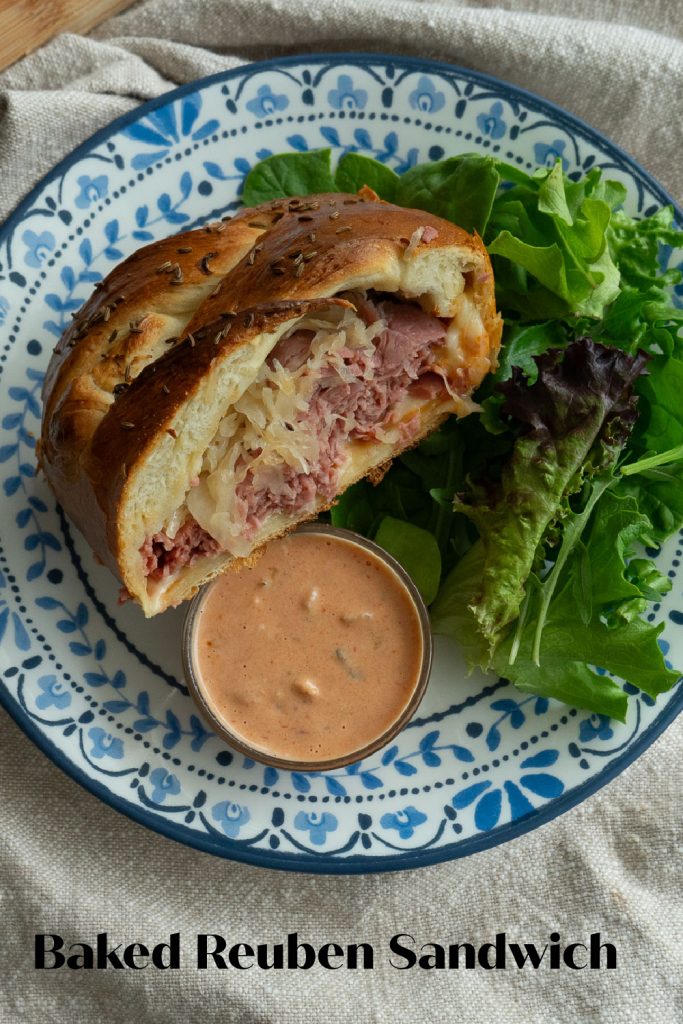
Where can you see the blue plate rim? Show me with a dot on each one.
(360, 57)
(353, 864)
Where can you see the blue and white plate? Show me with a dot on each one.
(99, 688)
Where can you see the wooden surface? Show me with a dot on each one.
(27, 24)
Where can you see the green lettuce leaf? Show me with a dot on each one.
(659, 490)
(643, 315)
(544, 262)
(592, 624)
(593, 620)
(548, 237)
(523, 342)
(580, 411)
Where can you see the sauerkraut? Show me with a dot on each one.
(332, 380)
(268, 428)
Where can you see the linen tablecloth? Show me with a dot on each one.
(71, 865)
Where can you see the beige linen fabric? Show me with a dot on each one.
(71, 865)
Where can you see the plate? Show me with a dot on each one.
(98, 687)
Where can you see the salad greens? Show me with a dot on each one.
(417, 551)
(580, 411)
(523, 527)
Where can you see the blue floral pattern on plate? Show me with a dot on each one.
(267, 102)
(492, 123)
(426, 97)
(92, 189)
(230, 817)
(38, 247)
(102, 690)
(345, 96)
(317, 825)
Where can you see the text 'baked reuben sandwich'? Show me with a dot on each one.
(223, 385)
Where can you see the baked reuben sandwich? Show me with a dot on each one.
(223, 385)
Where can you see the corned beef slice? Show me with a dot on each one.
(163, 556)
(402, 355)
(292, 352)
(402, 363)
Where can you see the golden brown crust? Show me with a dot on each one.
(123, 326)
(122, 369)
(155, 277)
(308, 251)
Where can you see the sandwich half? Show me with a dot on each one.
(225, 384)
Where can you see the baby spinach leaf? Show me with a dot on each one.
(353, 510)
(289, 174)
(416, 550)
(460, 189)
(354, 171)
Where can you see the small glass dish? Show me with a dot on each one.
(416, 691)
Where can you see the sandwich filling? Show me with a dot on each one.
(336, 382)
